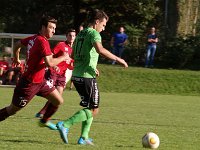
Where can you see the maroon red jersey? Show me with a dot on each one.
(37, 48)
(4, 65)
(58, 51)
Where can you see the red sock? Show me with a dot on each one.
(43, 110)
(3, 114)
(51, 109)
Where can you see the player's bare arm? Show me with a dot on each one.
(50, 61)
(105, 53)
(16, 51)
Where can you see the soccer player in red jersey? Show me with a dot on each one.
(32, 82)
(57, 74)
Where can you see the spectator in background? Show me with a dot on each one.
(118, 41)
(4, 65)
(152, 40)
(14, 72)
(9, 74)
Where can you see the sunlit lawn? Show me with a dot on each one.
(121, 123)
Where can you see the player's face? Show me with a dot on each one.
(50, 30)
(101, 25)
(71, 37)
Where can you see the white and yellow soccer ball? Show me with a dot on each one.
(150, 140)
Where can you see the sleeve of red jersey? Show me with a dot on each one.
(25, 41)
(57, 48)
(45, 48)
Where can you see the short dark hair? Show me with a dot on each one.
(97, 14)
(45, 19)
(70, 30)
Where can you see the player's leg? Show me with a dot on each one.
(23, 93)
(68, 75)
(71, 85)
(48, 91)
(8, 111)
(55, 100)
(41, 113)
(84, 138)
(80, 116)
(86, 128)
(88, 91)
(51, 78)
(60, 89)
(93, 105)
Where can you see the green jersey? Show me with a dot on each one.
(85, 55)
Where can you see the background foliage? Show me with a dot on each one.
(174, 50)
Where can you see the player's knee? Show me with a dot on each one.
(61, 101)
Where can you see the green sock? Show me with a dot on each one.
(79, 116)
(86, 128)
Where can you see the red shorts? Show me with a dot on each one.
(26, 90)
(57, 79)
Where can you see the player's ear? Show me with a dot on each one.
(97, 21)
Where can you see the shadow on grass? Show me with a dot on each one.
(29, 118)
(117, 122)
(23, 141)
(124, 146)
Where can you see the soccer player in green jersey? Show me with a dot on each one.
(86, 50)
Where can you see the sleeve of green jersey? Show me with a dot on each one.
(96, 37)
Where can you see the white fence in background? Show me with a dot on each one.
(14, 36)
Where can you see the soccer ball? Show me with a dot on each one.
(150, 140)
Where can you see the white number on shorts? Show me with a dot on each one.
(23, 103)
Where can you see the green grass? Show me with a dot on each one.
(145, 80)
(123, 119)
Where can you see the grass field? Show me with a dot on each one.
(145, 80)
(124, 118)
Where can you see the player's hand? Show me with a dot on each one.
(56, 68)
(67, 58)
(97, 72)
(121, 61)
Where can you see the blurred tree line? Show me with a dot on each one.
(176, 48)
